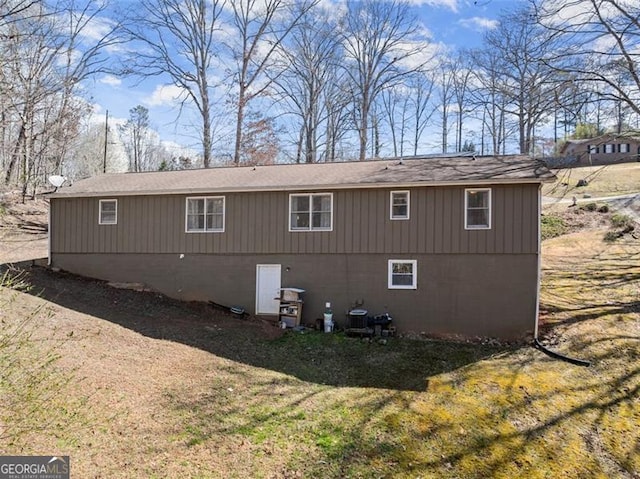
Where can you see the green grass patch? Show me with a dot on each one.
(552, 225)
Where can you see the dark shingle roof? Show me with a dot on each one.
(317, 176)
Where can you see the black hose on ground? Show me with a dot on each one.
(579, 362)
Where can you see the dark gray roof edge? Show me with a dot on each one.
(202, 191)
(532, 170)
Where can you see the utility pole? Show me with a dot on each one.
(106, 137)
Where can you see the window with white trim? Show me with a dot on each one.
(399, 205)
(311, 212)
(477, 205)
(593, 149)
(624, 148)
(403, 274)
(205, 214)
(609, 148)
(108, 214)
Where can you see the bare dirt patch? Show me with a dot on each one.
(23, 228)
(563, 220)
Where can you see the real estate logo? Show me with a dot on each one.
(34, 467)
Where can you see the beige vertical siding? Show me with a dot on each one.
(258, 223)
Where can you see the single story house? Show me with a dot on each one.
(605, 149)
(445, 245)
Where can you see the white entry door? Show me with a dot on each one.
(268, 286)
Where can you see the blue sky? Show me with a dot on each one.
(451, 23)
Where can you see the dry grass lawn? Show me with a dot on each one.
(162, 389)
(607, 180)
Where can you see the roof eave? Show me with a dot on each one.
(315, 187)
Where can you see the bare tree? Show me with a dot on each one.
(309, 59)
(14, 10)
(379, 41)
(259, 141)
(261, 27)
(421, 86)
(135, 136)
(337, 103)
(45, 54)
(395, 106)
(488, 97)
(180, 40)
(88, 158)
(445, 100)
(524, 76)
(408, 110)
(600, 44)
(460, 75)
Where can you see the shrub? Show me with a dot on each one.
(611, 236)
(618, 220)
(552, 226)
(604, 208)
(621, 224)
(590, 207)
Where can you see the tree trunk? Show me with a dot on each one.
(364, 126)
(206, 136)
(330, 149)
(15, 154)
(444, 130)
(484, 117)
(310, 144)
(522, 133)
(239, 121)
(416, 135)
(459, 130)
(299, 146)
(206, 120)
(376, 137)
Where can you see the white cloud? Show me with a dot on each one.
(426, 54)
(450, 4)
(97, 28)
(164, 95)
(110, 80)
(73, 57)
(177, 149)
(604, 44)
(332, 10)
(580, 14)
(479, 23)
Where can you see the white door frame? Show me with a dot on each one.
(275, 306)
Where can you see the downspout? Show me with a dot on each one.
(49, 234)
(536, 342)
(539, 267)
